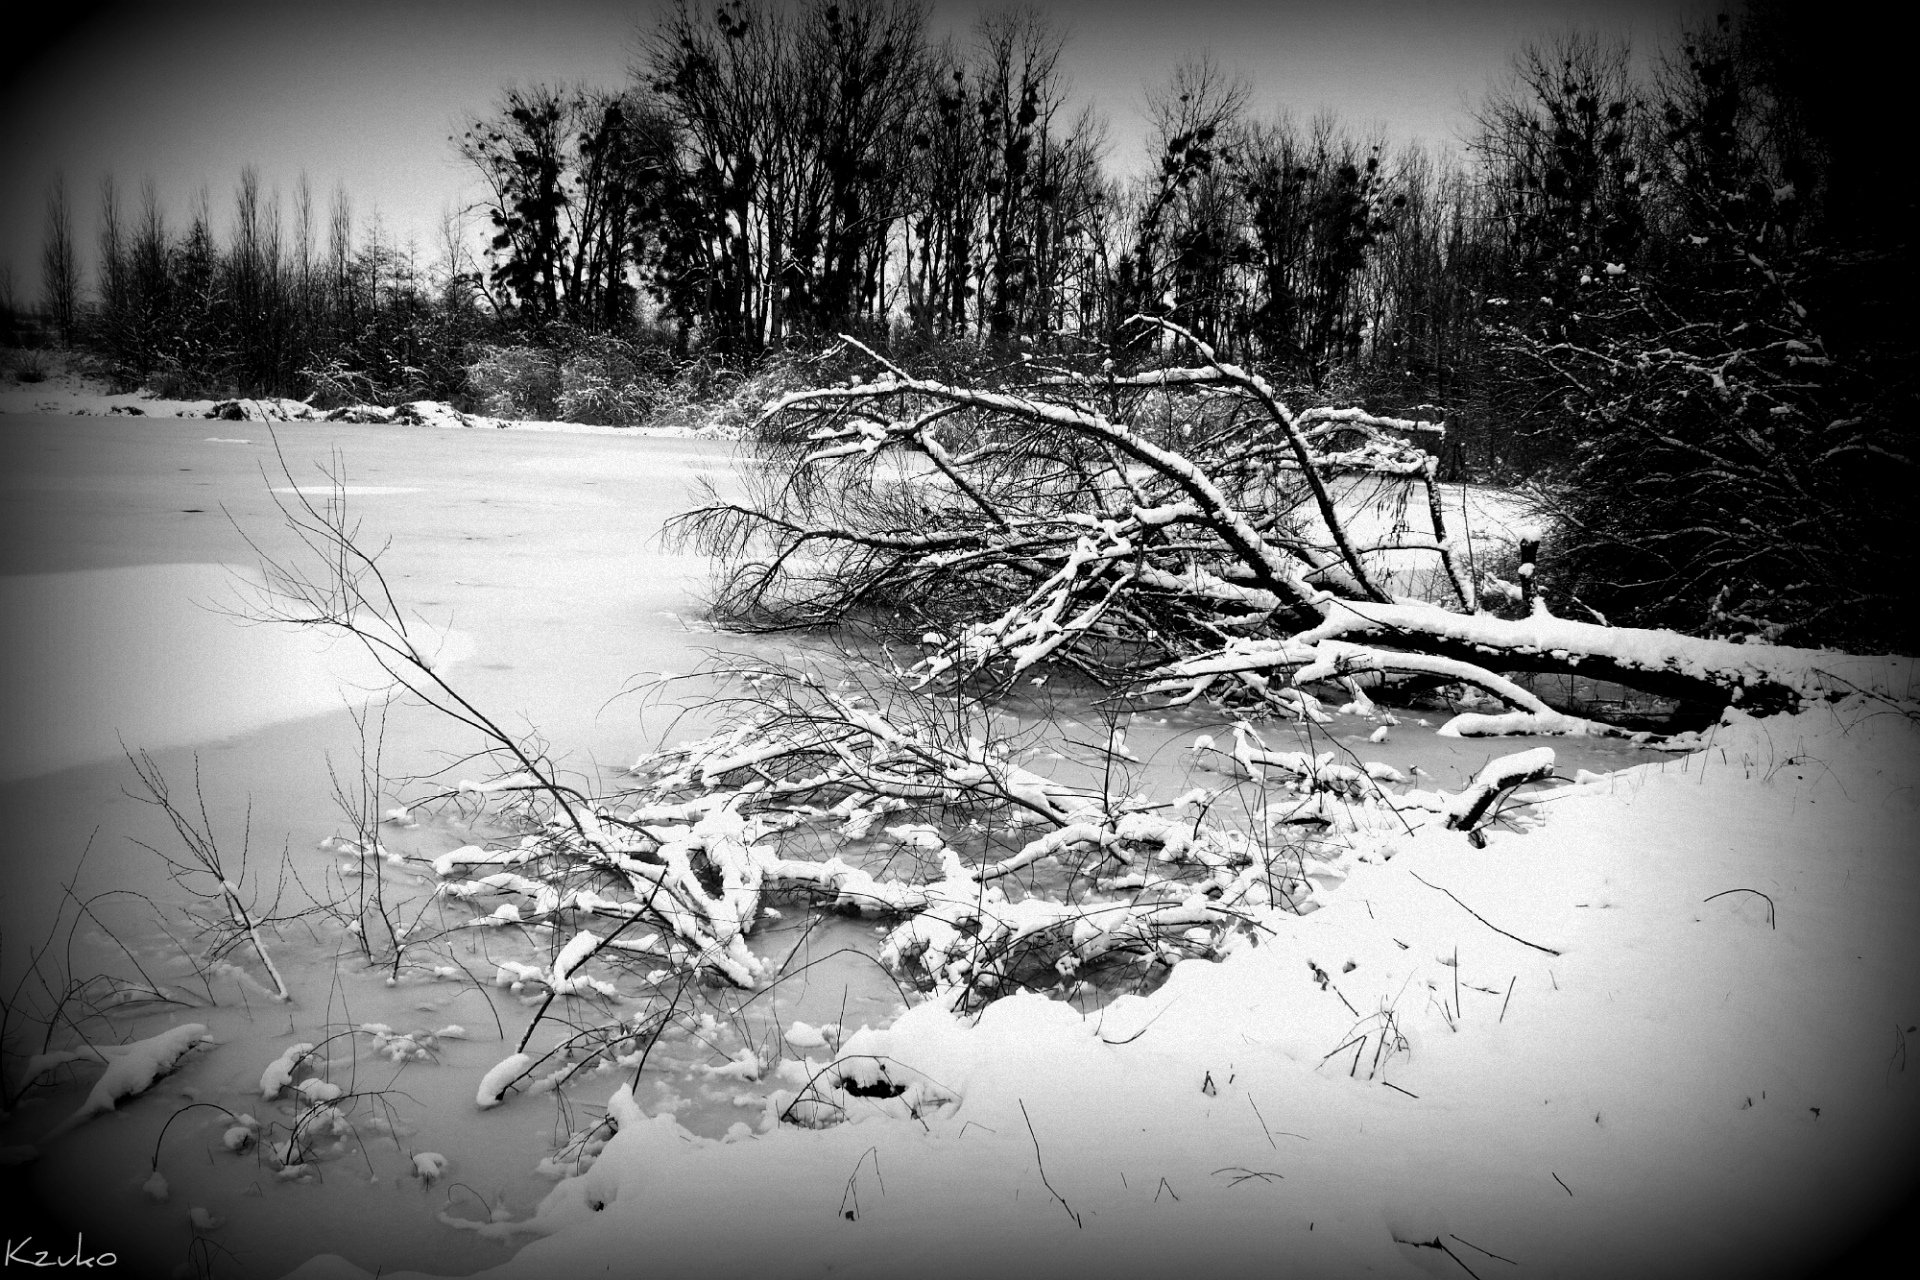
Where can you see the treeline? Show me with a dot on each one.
(779, 174)
(301, 305)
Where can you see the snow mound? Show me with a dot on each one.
(131, 1071)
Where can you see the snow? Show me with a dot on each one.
(1534, 765)
(573, 955)
(279, 1072)
(1684, 1089)
(318, 1091)
(503, 1073)
(345, 490)
(130, 1071)
(1702, 1081)
(804, 1035)
(105, 499)
(1815, 673)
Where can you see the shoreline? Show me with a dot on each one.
(65, 395)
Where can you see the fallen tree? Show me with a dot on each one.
(662, 881)
(1177, 531)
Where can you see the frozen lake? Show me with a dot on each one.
(535, 560)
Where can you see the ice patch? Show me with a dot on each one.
(150, 656)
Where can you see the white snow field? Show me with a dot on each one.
(1659, 1026)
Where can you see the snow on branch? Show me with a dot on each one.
(1180, 530)
(1465, 811)
(131, 1070)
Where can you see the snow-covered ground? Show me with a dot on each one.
(1659, 1028)
(1663, 1032)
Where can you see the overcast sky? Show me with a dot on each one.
(366, 94)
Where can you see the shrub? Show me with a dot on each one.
(27, 365)
(333, 385)
(514, 382)
(612, 382)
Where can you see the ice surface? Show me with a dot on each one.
(146, 656)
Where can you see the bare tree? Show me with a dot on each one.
(725, 83)
(574, 182)
(59, 268)
(112, 326)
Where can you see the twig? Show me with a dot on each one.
(852, 1192)
(1441, 1245)
(1038, 1163)
(1361, 1040)
(1241, 1174)
(1490, 1253)
(1263, 1122)
(1482, 919)
(206, 860)
(1724, 892)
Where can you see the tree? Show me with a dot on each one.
(1178, 245)
(1563, 148)
(110, 327)
(1020, 90)
(575, 188)
(797, 128)
(1177, 531)
(1423, 294)
(724, 84)
(59, 269)
(858, 74)
(1319, 204)
(948, 183)
(256, 290)
(1193, 224)
(1720, 461)
(1004, 241)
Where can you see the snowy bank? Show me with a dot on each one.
(69, 395)
(1660, 1031)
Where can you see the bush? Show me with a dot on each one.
(517, 382)
(332, 385)
(27, 365)
(735, 401)
(612, 382)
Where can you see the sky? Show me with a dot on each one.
(366, 95)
